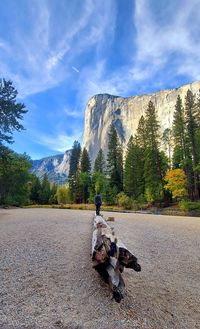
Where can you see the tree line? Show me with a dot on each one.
(144, 172)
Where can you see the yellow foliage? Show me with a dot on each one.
(176, 183)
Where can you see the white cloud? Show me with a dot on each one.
(40, 63)
(156, 41)
(60, 142)
(73, 113)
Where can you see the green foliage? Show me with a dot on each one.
(73, 170)
(84, 184)
(11, 111)
(124, 201)
(134, 170)
(114, 160)
(14, 177)
(35, 189)
(85, 163)
(74, 159)
(63, 195)
(179, 132)
(99, 164)
(153, 161)
(53, 194)
(109, 194)
(45, 191)
(189, 206)
(97, 185)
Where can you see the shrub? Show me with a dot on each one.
(124, 201)
(189, 206)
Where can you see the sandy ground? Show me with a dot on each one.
(46, 278)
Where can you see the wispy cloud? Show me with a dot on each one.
(43, 63)
(159, 42)
(75, 69)
(60, 142)
(76, 113)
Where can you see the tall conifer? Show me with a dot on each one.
(153, 163)
(115, 160)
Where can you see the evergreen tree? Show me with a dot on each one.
(179, 133)
(73, 170)
(99, 164)
(84, 179)
(45, 191)
(35, 189)
(11, 112)
(133, 170)
(191, 126)
(14, 177)
(141, 133)
(85, 163)
(115, 160)
(53, 194)
(153, 163)
(74, 159)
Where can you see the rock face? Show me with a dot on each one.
(56, 167)
(103, 109)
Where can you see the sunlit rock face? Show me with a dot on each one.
(103, 109)
(56, 167)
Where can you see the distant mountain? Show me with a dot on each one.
(56, 167)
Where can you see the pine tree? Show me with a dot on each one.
(53, 196)
(45, 192)
(191, 126)
(74, 159)
(133, 170)
(141, 133)
(179, 134)
(11, 112)
(14, 177)
(153, 163)
(85, 163)
(73, 170)
(99, 164)
(84, 179)
(35, 189)
(115, 160)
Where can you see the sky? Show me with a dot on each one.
(59, 53)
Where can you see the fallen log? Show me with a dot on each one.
(110, 256)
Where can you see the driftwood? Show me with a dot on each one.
(110, 256)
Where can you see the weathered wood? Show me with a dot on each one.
(110, 256)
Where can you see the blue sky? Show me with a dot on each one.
(59, 53)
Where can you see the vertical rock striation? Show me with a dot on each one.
(103, 109)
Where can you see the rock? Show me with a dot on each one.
(56, 167)
(102, 109)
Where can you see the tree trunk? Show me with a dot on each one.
(110, 256)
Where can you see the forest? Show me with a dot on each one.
(155, 168)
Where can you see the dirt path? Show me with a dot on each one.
(46, 279)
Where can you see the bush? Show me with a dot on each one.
(124, 201)
(189, 206)
(63, 194)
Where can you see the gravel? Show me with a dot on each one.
(46, 278)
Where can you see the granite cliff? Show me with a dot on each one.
(56, 167)
(102, 109)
